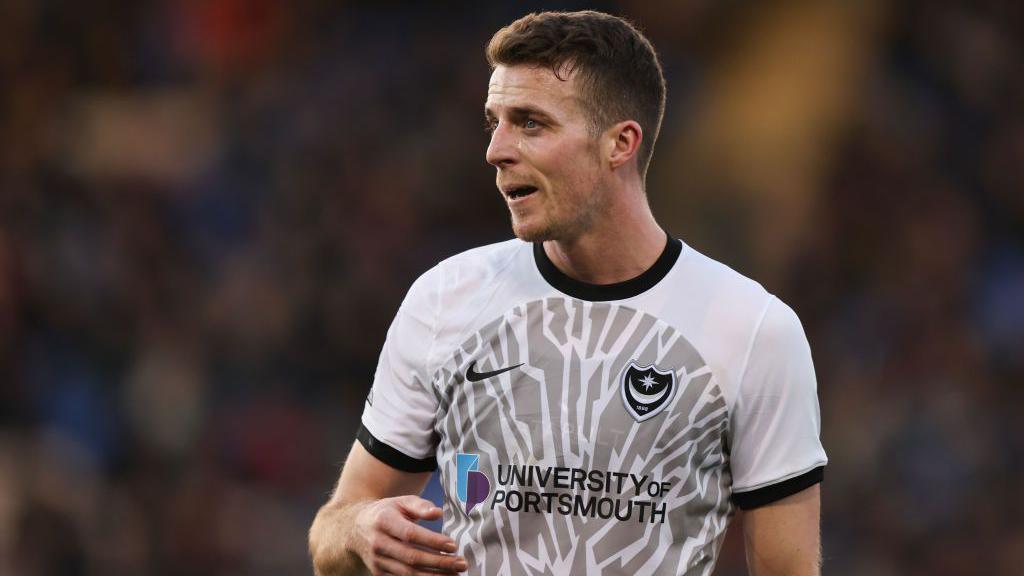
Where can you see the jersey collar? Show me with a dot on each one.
(606, 292)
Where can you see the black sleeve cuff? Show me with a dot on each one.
(775, 492)
(392, 457)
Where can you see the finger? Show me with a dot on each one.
(413, 533)
(420, 558)
(389, 565)
(412, 556)
(425, 537)
(419, 509)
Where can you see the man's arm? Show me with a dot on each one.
(784, 538)
(370, 523)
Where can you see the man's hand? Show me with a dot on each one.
(371, 522)
(387, 538)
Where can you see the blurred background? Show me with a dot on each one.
(211, 209)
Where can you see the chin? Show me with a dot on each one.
(531, 232)
(543, 230)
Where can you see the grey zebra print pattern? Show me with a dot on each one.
(564, 479)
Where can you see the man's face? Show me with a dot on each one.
(548, 160)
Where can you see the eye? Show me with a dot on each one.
(531, 124)
(490, 125)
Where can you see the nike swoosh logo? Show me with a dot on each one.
(474, 376)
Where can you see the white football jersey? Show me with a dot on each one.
(584, 429)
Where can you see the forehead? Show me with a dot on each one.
(522, 85)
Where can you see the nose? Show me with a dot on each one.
(502, 151)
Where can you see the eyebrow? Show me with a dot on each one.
(520, 111)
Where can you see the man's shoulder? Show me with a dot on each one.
(498, 254)
(722, 280)
(729, 312)
(471, 269)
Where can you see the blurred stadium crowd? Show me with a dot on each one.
(210, 210)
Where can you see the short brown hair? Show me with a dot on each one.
(619, 72)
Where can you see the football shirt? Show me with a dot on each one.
(595, 429)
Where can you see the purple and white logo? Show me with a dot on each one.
(472, 486)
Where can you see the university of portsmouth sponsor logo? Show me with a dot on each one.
(581, 492)
(472, 486)
(646, 390)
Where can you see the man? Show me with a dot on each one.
(597, 395)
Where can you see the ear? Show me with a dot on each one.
(623, 140)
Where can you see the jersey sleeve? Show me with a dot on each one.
(776, 448)
(398, 418)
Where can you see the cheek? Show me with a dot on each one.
(566, 162)
(581, 171)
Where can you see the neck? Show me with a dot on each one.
(616, 248)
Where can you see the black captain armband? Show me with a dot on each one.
(776, 492)
(392, 457)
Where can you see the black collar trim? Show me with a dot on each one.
(607, 292)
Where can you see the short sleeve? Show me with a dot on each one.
(398, 418)
(776, 448)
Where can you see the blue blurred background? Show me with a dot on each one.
(210, 210)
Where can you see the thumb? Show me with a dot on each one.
(419, 508)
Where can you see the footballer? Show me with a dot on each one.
(598, 396)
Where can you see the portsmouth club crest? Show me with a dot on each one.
(646, 390)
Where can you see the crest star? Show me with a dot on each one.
(647, 382)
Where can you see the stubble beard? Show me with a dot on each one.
(556, 228)
(574, 223)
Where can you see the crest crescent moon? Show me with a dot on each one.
(646, 398)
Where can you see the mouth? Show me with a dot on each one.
(518, 192)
